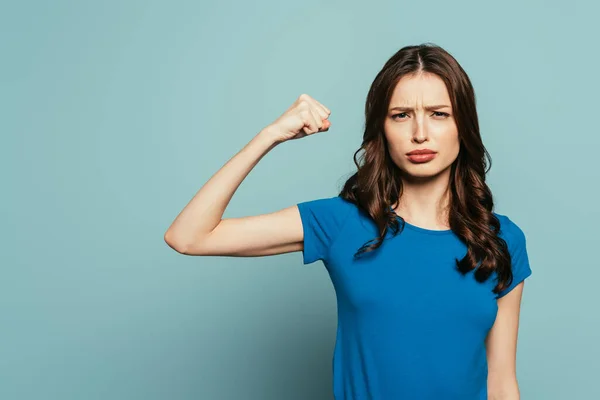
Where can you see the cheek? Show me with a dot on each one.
(445, 134)
(450, 144)
(397, 147)
(454, 142)
(398, 138)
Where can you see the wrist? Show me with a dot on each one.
(269, 137)
(265, 140)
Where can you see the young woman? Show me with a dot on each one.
(428, 277)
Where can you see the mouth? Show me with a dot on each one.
(421, 157)
(420, 151)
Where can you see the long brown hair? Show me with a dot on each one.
(376, 185)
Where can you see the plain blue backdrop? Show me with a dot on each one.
(113, 115)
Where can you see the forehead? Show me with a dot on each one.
(425, 89)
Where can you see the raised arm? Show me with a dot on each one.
(200, 229)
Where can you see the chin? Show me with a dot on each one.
(422, 171)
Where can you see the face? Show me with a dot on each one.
(420, 116)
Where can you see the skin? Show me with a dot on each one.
(424, 200)
(201, 230)
(418, 125)
(501, 347)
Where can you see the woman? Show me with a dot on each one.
(428, 278)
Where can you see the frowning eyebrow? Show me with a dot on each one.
(428, 108)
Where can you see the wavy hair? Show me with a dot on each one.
(377, 184)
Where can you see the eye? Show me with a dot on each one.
(395, 115)
(440, 114)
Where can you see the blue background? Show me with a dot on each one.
(113, 115)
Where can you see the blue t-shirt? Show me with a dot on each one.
(410, 326)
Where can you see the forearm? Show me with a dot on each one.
(506, 393)
(205, 210)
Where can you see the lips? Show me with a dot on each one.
(420, 151)
(421, 156)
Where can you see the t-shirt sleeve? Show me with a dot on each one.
(517, 247)
(322, 221)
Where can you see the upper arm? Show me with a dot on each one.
(501, 343)
(310, 226)
(257, 235)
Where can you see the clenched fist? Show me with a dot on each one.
(304, 117)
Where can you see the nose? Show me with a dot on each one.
(420, 132)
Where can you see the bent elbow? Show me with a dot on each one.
(176, 245)
(197, 247)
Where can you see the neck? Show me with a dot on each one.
(424, 201)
